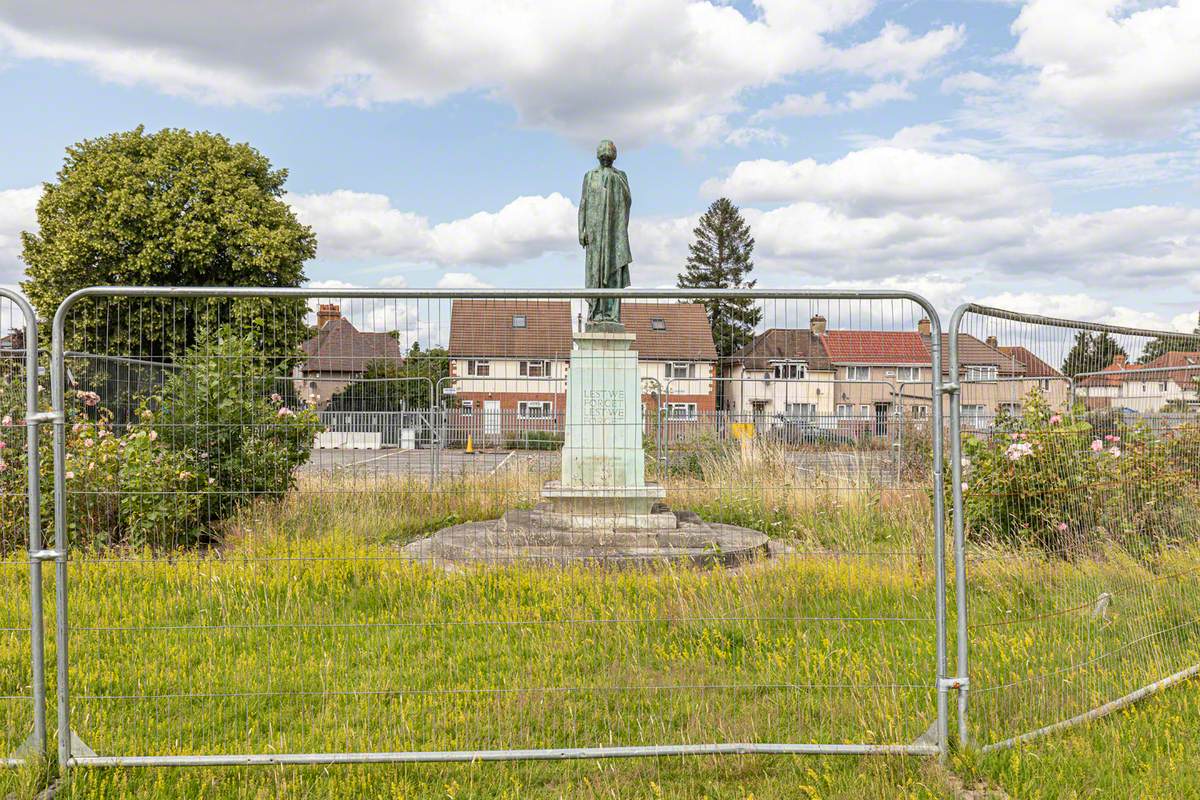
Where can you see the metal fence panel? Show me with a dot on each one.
(23, 689)
(249, 599)
(1075, 519)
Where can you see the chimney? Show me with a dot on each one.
(993, 342)
(924, 327)
(817, 325)
(328, 312)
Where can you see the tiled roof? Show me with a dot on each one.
(1034, 366)
(340, 347)
(484, 329)
(974, 352)
(1183, 366)
(688, 335)
(875, 347)
(777, 344)
(1117, 366)
(888, 348)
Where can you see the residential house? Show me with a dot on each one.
(509, 361)
(860, 381)
(339, 354)
(782, 373)
(1054, 386)
(1167, 383)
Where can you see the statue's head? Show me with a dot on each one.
(606, 151)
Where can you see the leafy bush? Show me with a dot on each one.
(215, 408)
(1058, 484)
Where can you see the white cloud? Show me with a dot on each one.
(670, 69)
(896, 52)
(1083, 306)
(462, 280)
(746, 136)
(816, 105)
(797, 105)
(17, 207)
(880, 180)
(1123, 67)
(357, 225)
(969, 82)
(877, 93)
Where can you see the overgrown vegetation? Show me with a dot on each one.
(1058, 483)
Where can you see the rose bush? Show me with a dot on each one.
(1059, 484)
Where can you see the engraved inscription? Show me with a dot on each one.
(604, 405)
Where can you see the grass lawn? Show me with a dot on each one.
(306, 632)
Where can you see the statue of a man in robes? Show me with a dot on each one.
(604, 233)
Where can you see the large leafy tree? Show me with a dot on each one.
(1162, 345)
(1091, 352)
(172, 208)
(721, 258)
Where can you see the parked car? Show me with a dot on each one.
(797, 431)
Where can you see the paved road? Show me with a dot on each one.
(872, 467)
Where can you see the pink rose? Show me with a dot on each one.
(1054, 420)
(285, 412)
(276, 398)
(1115, 451)
(1062, 527)
(1097, 445)
(152, 435)
(7, 421)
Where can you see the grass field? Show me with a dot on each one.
(304, 631)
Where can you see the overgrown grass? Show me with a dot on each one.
(306, 631)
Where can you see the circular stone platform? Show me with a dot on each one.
(533, 537)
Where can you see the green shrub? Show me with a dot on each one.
(1056, 483)
(247, 442)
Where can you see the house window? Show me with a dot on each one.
(921, 412)
(479, 369)
(533, 369)
(1162, 387)
(982, 374)
(908, 374)
(802, 410)
(1012, 409)
(1044, 384)
(535, 409)
(845, 411)
(658, 324)
(858, 373)
(680, 369)
(681, 410)
(468, 407)
(791, 372)
(864, 411)
(973, 416)
(520, 321)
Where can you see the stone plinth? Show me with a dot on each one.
(603, 443)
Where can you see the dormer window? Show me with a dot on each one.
(520, 321)
(658, 324)
(790, 371)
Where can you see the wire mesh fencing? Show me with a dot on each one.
(1076, 504)
(538, 565)
(22, 689)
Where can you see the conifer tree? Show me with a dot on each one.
(721, 258)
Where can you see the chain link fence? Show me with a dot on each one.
(305, 528)
(1075, 512)
(22, 650)
(313, 618)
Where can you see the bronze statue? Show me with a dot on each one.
(604, 233)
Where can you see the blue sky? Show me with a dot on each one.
(1040, 155)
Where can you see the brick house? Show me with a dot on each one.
(857, 380)
(509, 361)
(339, 354)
